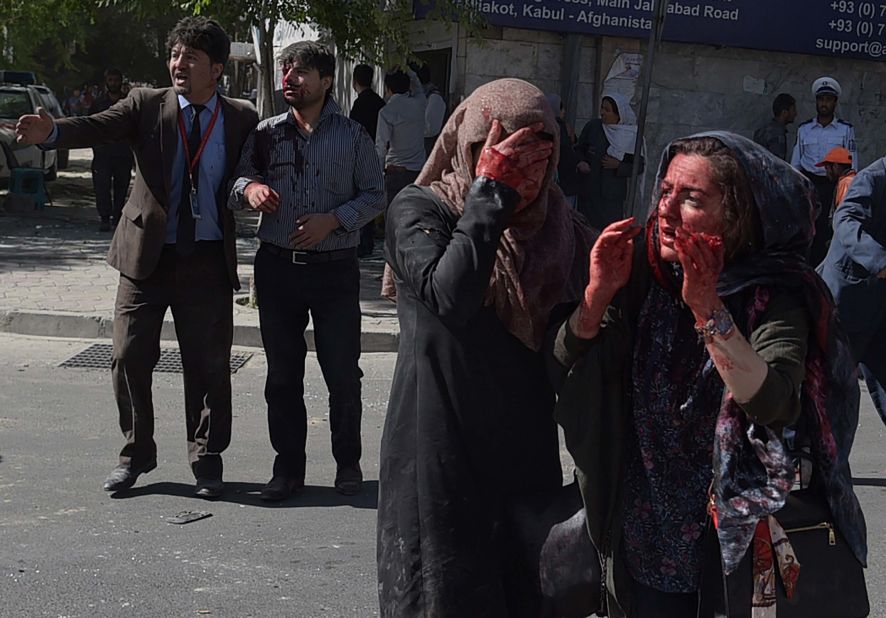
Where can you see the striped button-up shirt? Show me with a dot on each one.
(332, 169)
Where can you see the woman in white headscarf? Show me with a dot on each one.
(606, 147)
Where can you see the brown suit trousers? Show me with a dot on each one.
(153, 278)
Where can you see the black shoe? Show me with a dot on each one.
(349, 480)
(281, 487)
(123, 477)
(104, 226)
(209, 488)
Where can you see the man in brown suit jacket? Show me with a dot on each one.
(174, 245)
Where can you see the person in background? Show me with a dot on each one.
(315, 177)
(567, 167)
(606, 149)
(815, 138)
(365, 110)
(855, 271)
(435, 109)
(683, 363)
(399, 138)
(74, 104)
(86, 98)
(838, 166)
(773, 136)
(111, 163)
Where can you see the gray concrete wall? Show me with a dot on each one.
(695, 87)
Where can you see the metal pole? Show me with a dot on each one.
(658, 17)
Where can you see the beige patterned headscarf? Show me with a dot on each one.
(542, 255)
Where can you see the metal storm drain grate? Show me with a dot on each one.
(98, 356)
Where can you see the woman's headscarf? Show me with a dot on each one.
(753, 473)
(542, 253)
(622, 137)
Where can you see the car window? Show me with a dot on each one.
(48, 100)
(14, 103)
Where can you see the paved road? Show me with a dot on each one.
(69, 549)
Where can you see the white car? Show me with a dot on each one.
(15, 101)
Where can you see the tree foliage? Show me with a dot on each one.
(375, 31)
(70, 42)
(32, 29)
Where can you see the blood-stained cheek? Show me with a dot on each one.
(714, 243)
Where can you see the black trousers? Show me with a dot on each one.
(198, 291)
(396, 181)
(110, 174)
(869, 350)
(824, 190)
(367, 239)
(287, 294)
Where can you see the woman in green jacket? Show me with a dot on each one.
(689, 355)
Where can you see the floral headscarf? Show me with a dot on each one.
(753, 472)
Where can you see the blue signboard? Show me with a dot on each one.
(842, 28)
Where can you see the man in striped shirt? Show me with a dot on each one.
(315, 177)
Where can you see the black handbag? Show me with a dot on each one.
(551, 541)
(831, 582)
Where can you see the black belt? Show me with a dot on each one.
(309, 257)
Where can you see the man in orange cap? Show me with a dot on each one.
(838, 166)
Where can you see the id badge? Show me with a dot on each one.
(195, 205)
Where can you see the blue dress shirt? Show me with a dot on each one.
(211, 169)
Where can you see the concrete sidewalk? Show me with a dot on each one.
(54, 280)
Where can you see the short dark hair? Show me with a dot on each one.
(782, 103)
(743, 232)
(113, 71)
(397, 82)
(311, 55)
(424, 73)
(363, 74)
(204, 34)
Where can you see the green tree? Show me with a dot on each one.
(375, 31)
(32, 30)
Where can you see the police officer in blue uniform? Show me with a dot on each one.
(815, 138)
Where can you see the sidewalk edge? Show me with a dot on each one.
(82, 326)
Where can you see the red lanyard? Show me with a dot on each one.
(181, 128)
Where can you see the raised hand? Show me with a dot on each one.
(701, 256)
(34, 128)
(519, 161)
(612, 257)
(610, 266)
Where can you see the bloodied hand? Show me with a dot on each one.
(609, 269)
(611, 258)
(701, 256)
(518, 161)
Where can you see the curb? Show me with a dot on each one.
(81, 326)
